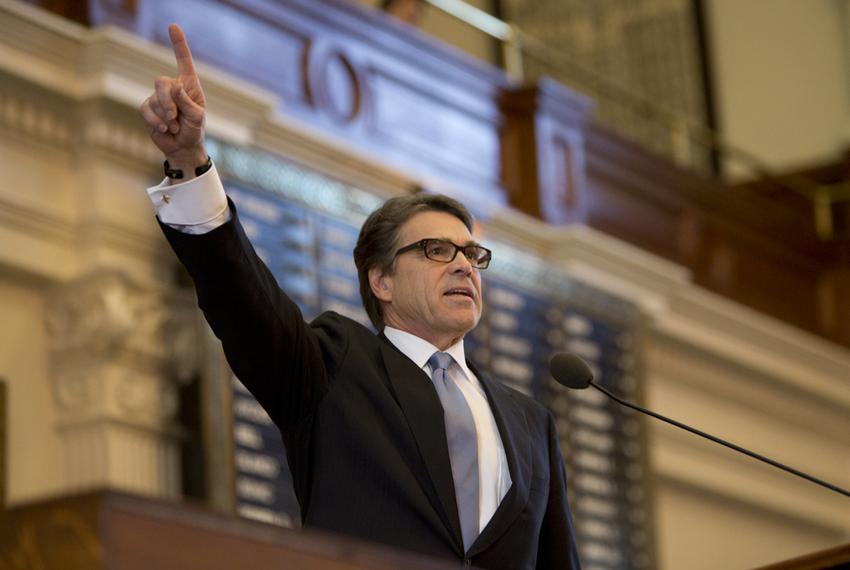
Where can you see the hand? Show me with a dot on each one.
(175, 112)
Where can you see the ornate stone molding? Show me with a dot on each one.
(126, 139)
(118, 354)
(28, 111)
(106, 64)
(22, 115)
(105, 318)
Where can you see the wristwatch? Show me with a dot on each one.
(176, 173)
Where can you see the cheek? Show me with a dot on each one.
(422, 290)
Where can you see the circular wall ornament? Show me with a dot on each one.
(333, 84)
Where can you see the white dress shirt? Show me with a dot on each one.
(199, 205)
(196, 206)
(494, 478)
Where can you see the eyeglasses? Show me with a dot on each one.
(445, 251)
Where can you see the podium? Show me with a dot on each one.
(107, 529)
(837, 558)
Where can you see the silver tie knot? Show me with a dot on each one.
(440, 361)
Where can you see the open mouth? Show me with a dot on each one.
(459, 292)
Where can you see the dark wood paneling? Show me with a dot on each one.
(833, 301)
(123, 532)
(755, 249)
(543, 160)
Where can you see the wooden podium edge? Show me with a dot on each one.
(112, 529)
(831, 558)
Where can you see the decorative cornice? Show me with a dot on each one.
(789, 358)
(46, 225)
(65, 238)
(32, 118)
(613, 265)
(127, 140)
(23, 114)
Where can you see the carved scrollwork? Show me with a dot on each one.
(145, 399)
(93, 316)
(61, 539)
(119, 347)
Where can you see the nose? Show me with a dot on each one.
(460, 265)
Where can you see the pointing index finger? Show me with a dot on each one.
(185, 65)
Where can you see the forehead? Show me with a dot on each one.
(434, 225)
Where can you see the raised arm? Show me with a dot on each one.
(176, 111)
(281, 359)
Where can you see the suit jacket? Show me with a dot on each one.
(363, 426)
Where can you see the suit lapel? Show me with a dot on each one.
(424, 413)
(513, 429)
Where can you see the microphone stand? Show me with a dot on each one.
(722, 442)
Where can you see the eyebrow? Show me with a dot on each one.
(470, 242)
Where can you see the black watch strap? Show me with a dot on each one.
(177, 174)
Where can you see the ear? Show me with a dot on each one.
(381, 284)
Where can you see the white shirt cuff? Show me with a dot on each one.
(198, 205)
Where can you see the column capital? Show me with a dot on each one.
(119, 352)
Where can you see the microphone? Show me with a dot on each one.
(573, 372)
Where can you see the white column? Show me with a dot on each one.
(114, 350)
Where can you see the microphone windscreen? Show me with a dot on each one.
(570, 371)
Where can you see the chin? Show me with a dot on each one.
(461, 320)
(466, 324)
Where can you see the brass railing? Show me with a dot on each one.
(689, 141)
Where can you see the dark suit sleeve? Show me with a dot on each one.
(270, 348)
(557, 547)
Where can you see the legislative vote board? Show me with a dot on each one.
(305, 226)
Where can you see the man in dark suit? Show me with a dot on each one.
(393, 438)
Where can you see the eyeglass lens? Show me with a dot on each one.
(439, 250)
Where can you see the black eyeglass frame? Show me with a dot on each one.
(424, 243)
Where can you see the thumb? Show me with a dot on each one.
(191, 111)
